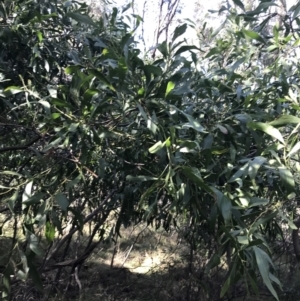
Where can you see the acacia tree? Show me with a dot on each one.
(48, 138)
(89, 129)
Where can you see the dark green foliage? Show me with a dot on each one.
(90, 128)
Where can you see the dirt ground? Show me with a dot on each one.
(146, 265)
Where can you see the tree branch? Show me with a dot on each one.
(19, 147)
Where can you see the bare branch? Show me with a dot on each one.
(19, 147)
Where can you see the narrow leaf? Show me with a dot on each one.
(213, 262)
(186, 48)
(267, 128)
(81, 18)
(287, 178)
(13, 90)
(229, 280)
(296, 10)
(27, 191)
(62, 201)
(254, 166)
(6, 281)
(222, 129)
(284, 120)
(34, 199)
(180, 30)
(39, 35)
(50, 232)
(226, 208)
(262, 221)
(255, 201)
(46, 106)
(156, 147)
(263, 263)
(194, 175)
(140, 179)
(239, 173)
(253, 35)
(239, 4)
(72, 69)
(34, 243)
(294, 150)
(170, 87)
(101, 77)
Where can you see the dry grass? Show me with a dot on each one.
(146, 265)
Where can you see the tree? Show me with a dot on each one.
(89, 129)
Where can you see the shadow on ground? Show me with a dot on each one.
(143, 265)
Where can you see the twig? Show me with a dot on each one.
(114, 253)
(77, 279)
(127, 255)
(19, 147)
(76, 160)
(74, 230)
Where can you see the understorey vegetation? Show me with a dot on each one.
(198, 140)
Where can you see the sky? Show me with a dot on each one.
(151, 18)
(188, 11)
